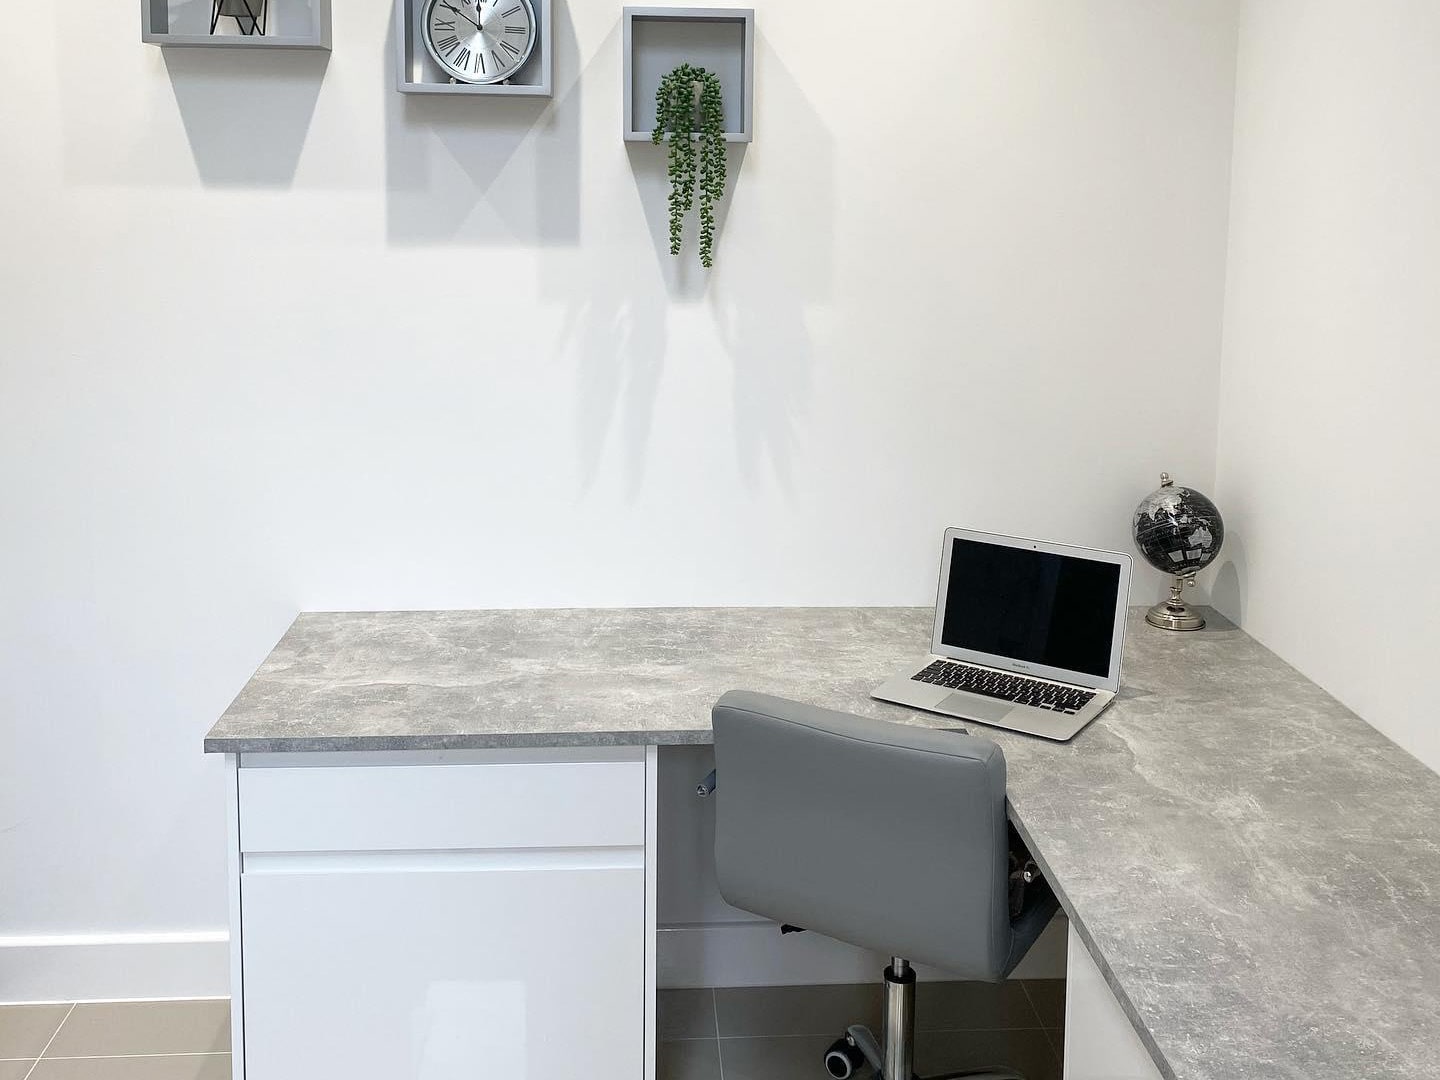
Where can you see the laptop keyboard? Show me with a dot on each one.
(997, 684)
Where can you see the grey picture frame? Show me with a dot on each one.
(155, 29)
(657, 39)
(417, 73)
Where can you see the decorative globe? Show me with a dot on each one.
(1178, 530)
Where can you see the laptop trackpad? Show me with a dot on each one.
(974, 707)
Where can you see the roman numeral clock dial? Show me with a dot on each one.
(479, 41)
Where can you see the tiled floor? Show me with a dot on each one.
(781, 1033)
(149, 1040)
(768, 1034)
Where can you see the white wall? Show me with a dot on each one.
(1328, 435)
(275, 337)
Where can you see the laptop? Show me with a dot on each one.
(1028, 635)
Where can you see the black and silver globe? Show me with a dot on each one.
(1179, 531)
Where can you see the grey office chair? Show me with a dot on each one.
(890, 837)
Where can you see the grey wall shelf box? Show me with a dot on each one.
(417, 73)
(293, 24)
(658, 39)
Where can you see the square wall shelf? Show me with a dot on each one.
(291, 24)
(417, 72)
(659, 39)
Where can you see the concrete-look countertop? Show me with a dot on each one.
(1255, 869)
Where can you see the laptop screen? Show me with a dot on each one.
(1031, 606)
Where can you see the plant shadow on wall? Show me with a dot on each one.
(777, 264)
(615, 335)
(780, 264)
(615, 328)
(487, 170)
(608, 328)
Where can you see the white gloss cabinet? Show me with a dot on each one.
(485, 915)
(1100, 1041)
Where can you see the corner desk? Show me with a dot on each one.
(450, 835)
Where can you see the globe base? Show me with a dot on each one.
(1175, 614)
(1167, 618)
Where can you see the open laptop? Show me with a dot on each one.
(1028, 635)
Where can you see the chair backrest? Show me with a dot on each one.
(883, 835)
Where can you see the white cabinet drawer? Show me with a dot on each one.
(475, 807)
(448, 973)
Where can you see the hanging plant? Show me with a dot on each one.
(689, 96)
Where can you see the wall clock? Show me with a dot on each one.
(479, 41)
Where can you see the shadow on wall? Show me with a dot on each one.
(773, 255)
(760, 309)
(614, 332)
(611, 334)
(497, 170)
(1227, 590)
(246, 113)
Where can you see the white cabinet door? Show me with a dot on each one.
(445, 966)
(1100, 1043)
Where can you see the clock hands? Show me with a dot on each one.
(473, 22)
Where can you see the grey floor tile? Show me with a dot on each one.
(781, 1058)
(25, 1029)
(15, 1070)
(1027, 1051)
(693, 1059)
(173, 1067)
(144, 1027)
(792, 1057)
(972, 1006)
(1048, 996)
(1057, 1042)
(685, 1014)
(829, 1010)
(796, 1010)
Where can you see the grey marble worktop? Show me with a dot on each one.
(1255, 869)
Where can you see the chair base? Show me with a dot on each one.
(893, 1061)
(857, 1048)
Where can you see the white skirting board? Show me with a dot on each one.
(114, 967)
(756, 954)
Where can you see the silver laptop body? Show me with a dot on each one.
(1028, 635)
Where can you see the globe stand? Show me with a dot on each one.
(1175, 614)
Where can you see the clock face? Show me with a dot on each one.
(480, 41)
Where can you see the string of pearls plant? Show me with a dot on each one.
(686, 94)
